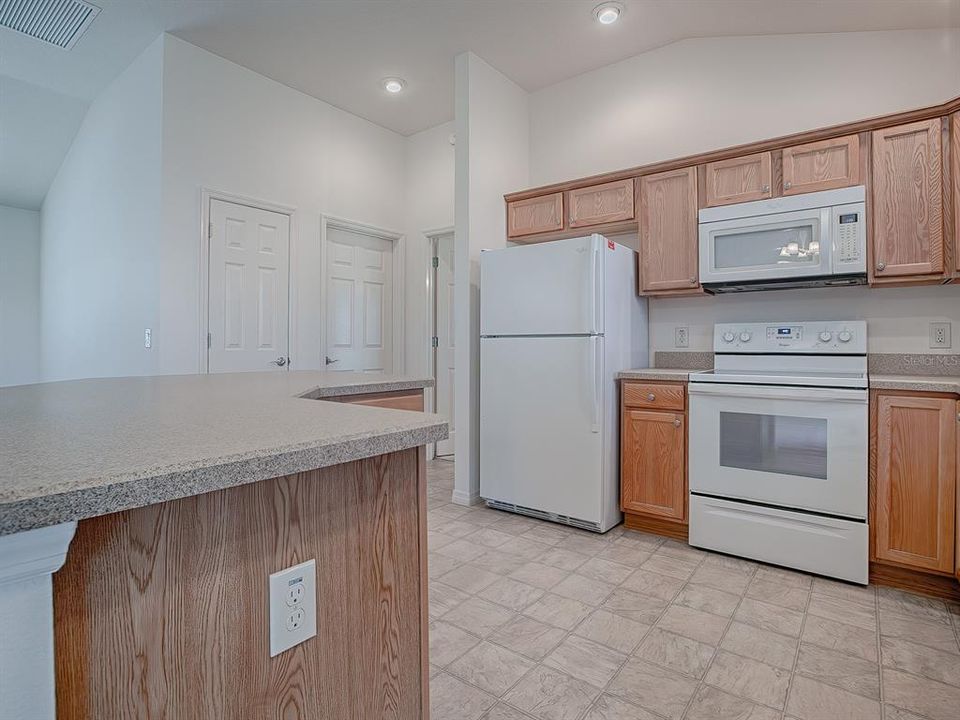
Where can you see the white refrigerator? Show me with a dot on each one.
(558, 320)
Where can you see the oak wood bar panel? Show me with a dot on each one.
(399, 400)
(162, 612)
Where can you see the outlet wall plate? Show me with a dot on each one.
(293, 606)
(681, 336)
(940, 335)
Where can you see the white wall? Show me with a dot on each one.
(709, 93)
(492, 158)
(428, 188)
(19, 296)
(230, 129)
(100, 234)
(897, 317)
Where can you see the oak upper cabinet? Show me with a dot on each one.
(955, 174)
(822, 165)
(739, 179)
(915, 480)
(907, 207)
(668, 231)
(653, 455)
(598, 204)
(535, 215)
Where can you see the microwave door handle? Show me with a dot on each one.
(827, 239)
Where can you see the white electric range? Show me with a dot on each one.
(778, 446)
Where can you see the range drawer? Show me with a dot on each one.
(662, 396)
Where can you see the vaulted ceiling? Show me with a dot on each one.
(339, 50)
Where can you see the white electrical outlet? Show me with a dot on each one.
(293, 606)
(940, 335)
(148, 338)
(681, 336)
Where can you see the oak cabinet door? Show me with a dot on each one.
(823, 165)
(597, 204)
(668, 231)
(653, 464)
(915, 487)
(955, 174)
(739, 179)
(907, 203)
(535, 215)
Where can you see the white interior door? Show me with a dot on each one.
(248, 289)
(444, 334)
(359, 303)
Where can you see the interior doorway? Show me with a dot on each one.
(442, 336)
(248, 287)
(363, 299)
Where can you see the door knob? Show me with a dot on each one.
(280, 361)
(328, 361)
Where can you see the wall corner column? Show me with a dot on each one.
(27, 675)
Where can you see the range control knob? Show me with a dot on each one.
(728, 336)
(745, 336)
(826, 336)
(844, 336)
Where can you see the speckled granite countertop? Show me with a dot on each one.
(675, 374)
(922, 383)
(78, 449)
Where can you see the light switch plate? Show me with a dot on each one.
(293, 606)
(940, 335)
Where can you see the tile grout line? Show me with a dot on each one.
(702, 681)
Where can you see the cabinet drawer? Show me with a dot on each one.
(654, 395)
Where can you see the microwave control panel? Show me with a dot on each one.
(850, 237)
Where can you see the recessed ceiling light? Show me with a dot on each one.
(393, 85)
(608, 13)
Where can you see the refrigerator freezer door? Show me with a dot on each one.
(554, 288)
(541, 424)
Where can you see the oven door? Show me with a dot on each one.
(768, 247)
(794, 447)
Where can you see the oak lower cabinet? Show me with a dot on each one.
(913, 480)
(955, 179)
(907, 202)
(739, 179)
(535, 215)
(668, 233)
(653, 457)
(822, 165)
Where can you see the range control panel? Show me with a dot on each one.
(829, 337)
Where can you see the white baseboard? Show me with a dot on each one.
(462, 498)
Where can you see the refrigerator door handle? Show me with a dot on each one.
(595, 383)
(597, 285)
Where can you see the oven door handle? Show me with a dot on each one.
(780, 392)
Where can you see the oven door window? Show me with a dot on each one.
(778, 444)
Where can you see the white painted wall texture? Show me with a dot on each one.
(230, 129)
(100, 234)
(492, 158)
(710, 93)
(19, 296)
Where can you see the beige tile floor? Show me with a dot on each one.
(531, 620)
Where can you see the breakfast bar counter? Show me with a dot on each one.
(168, 501)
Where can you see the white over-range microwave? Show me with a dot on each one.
(809, 240)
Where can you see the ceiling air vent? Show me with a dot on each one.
(58, 22)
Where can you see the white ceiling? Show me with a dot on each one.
(339, 50)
